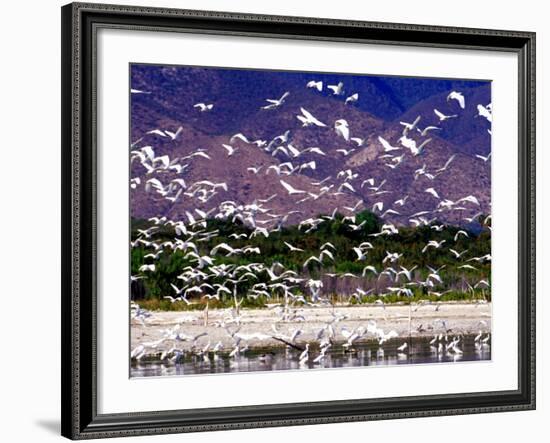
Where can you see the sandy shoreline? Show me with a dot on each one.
(255, 326)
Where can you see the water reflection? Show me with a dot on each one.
(418, 351)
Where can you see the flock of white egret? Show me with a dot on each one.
(206, 278)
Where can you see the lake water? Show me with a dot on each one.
(418, 351)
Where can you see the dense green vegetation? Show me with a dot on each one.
(461, 283)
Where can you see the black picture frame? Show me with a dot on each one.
(79, 171)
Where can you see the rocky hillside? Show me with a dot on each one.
(327, 169)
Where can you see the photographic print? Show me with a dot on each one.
(285, 220)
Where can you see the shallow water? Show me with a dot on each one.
(418, 351)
